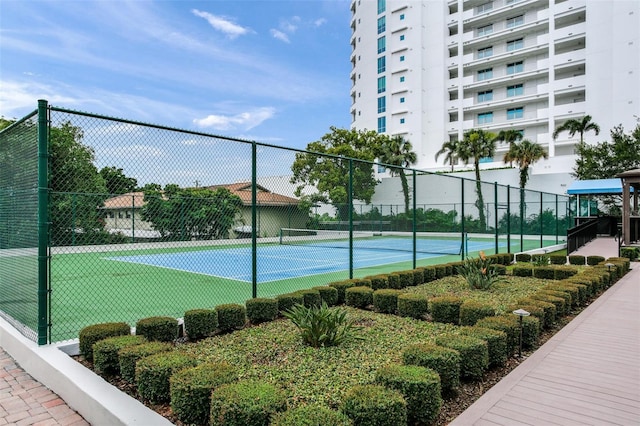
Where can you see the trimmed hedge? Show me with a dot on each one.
(544, 272)
(394, 281)
(500, 269)
(429, 273)
(153, 373)
(374, 405)
(329, 295)
(94, 333)
(441, 271)
(341, 286)
(420, 387)
(557, 301)
(445, 309)
(418, 276)
(630, 253)
(130, 355)
(261, 310)
(105, 352)
(523, 257)
(289, 300)
(246, 403)
(191, 388)
(575, 259)
(557, 259)
(471, 311)
(231, 316)
(199, 323)
(444, 361)
(412, 305)
(506, 325)
(564, 272)
(497, 342)
(522, 271)
(544, 311)
(594, 260)
(561, 294)
(406, 279)
(379, 281)
(474, 353)
(160, 329)
(565, 287)
(311, 415)
(310, 297)
(359, 297)
(386, 300)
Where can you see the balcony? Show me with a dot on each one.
(500, 101)
(570, 57)
(569, 7)
(577, 109)
(569, 84)
(498, 12)
(567, 33)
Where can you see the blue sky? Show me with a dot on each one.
(266, 70)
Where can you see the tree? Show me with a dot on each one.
(116, 181)
(450, 148)
(606, 159)
(396, 151)
(509, 136)
(524, 154)
(581, 127)
(325, 166)
(190, 213)
(476, 145)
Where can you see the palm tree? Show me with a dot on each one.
(450, 148)
(477, 144)
(524, 154)
(397, 151)
(509, 136)
(577, 126)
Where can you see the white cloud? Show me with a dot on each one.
(243, 121)
(222, 24)
(290, 26)
(279, 35)
(130, 152)
(319, 22)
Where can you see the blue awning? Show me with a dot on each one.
(595, 187)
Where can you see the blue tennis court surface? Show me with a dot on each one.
(280, 262)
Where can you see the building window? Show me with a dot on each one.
(402, 37)
(485, 118)
(485, 74)
(486, 160)
(381, 168)
(486, 30)
(382, 104)
(382, 6)
(515, 90)
(401, 100)
(402, 79)
(382, 64)
(382, 84)
(485, 53)
(515, 45)
(402, 17)
(382, 124)
(402, 121)
(382, 25)
(485, 96)
(515, 113)
(402, 58)
(382, 44)
(516, 21)
(515, 67)
(485, 7)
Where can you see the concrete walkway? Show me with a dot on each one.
(587, 374)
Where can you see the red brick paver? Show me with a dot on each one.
(24, 401)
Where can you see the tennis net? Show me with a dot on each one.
(432, 243)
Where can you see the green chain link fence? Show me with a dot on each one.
(146, 220)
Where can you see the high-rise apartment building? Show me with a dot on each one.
(430, 70)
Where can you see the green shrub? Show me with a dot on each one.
(564, 272)
(420, 387)
(311, 297)
(93, 333)
(289, 300)
(320, 326)
(454, 267)
(444, 361)
(530, 332)
(130, 355)
(429, 273)
(523, 257)
(557, 301)
(341, 286)
(406, 279)
(445, 309)
(246, 403)
(623, 264)
(418, 276)
(565, 287)
(379, 281)
(161, 329)
(584, 280)
(540, 260)
(394, 281)
(510, 258)
(544, 272)
(310, 415)
(231, 316)
(329, 295)
(522, 271)
(359, 297)
(374, 405)
(557, 259)
(386, 300)
(191, 388)
(441, 271)
(561, 294)
(474, 354)
(153, 373)
(505, 324)
(497, 342)
(471, 311)
(105, 352)
(594, 260)
(575, 259)
(544, 311)
(199, 323)
(630, 253)
(261, 310)
(412, 305)
(498, 269)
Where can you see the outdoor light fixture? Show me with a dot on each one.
(521, 313)
(609, 266)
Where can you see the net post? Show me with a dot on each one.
(350, 206)
(522, 219)
(254, 222)
(43, 222)
(133, 217)
(557, 224)
(541, 230)
(462, 251)
(495, 203)
(415, 248)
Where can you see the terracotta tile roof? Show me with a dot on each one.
(125, 201)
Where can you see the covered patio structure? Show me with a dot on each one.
(630, 213)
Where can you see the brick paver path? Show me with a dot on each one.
(24, 401)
